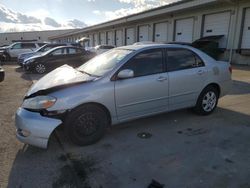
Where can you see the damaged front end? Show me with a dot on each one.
(34, 121)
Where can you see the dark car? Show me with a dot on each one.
(1, 74)
(208, 44)
(39, 51)
(56, 57)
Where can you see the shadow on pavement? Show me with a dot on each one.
(239, 88)
(201, 151)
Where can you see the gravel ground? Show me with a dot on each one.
(182, 150)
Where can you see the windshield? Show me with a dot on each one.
(104, 63)
(41, 48)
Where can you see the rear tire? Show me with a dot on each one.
(207, 101)
(86, 125)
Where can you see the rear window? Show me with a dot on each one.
(179, 59)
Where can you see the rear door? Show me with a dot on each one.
(147, 92)
(187, 75)
(76, 57)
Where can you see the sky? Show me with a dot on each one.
(88, 11)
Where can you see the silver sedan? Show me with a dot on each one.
(120, 85)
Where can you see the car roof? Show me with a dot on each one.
(148, 46)
(59, 47)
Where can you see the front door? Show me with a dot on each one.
(57, 58)
(147, 92)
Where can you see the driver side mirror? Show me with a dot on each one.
(126, 73)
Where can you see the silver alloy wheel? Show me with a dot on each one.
(40, 68)
(209, 101)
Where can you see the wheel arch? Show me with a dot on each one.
(214, 85)
(106, 110)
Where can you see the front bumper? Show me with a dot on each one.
(2, 74)
(38, 127)
(20, 61)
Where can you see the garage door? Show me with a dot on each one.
(103, 38)
(143, 33)
(184, 30)
(119, 38)
(110, 38)
(130, 36)
(246, 31)
(95, 39)
(161, 32)
(91, 41)
(217, 24)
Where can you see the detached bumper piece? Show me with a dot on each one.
(34, 129)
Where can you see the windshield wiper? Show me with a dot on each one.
(87, 73)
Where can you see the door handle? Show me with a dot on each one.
(200, 72)
(161, 78)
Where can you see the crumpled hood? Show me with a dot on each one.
(61, 76)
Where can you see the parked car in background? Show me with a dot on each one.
(56, 57)
(12, 51)
(2, 74)
(39, 51)
(208, 44)
(122, 84)
(101, 49)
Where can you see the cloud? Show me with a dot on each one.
(11, 21)
(39, 13)
(75, 23)
(97, 12)
(136, 7)
(51, 22)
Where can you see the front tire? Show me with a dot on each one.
(40, 68)
(86, 125)
(207, 101)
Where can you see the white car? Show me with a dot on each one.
(15, 49)
(101, 49)
(120, 85)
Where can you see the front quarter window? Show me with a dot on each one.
(104, 63)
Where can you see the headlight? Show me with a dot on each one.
(29, 61)
(39, 102)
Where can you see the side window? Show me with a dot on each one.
(146, 63)
(28, 45)
(47, 48)
(179, 59)
(17, 46)
(58, 52)
(71, 51)
(79, 51)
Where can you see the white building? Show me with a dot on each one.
(183, 21)
(32, 36)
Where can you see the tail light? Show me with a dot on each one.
(230, 69)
